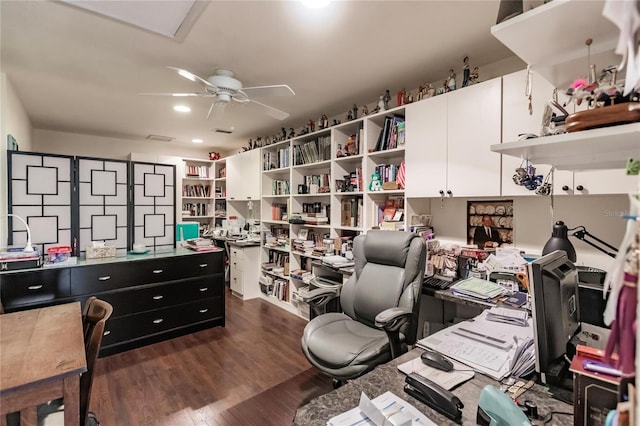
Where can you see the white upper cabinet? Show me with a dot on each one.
(243, 175)
(448, 143)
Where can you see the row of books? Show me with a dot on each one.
(316, 207)
(197, 171)
(280, 187)
(196, 209)
(387, 172)
(220, 192)
(278, 211)
(276, 160)
(197, 191)
(392, 133)
(351, 212)
(317, 183)
(312, 151)
(351, 182)
(201, 245)
(387, 212)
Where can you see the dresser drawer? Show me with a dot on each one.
(161, 320)
(175, 268)
(117, 330)
(160, 296)
(98, 278)
(120, 300)
(34, 287)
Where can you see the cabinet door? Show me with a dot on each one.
(234, 177)
(426, 147)
(473, 122)
(250, 181)
(604, 182)
(517, 120)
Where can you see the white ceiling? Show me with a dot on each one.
(77, 71)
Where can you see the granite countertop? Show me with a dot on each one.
(387, 377)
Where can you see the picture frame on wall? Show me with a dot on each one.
(501, 214)
(12, 144)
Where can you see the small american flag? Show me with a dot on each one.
(400, 177)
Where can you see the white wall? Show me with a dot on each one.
(534, 218)
(13, 121)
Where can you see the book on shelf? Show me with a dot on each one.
(199, 242)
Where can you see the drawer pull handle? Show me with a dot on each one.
(203, 265)
(106, 333)
(203, 289)
(35, 287)
(157, 271)
(202, 311)
(105, 278)
(158, 321)
(158, 297)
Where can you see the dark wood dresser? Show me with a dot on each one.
(155, 296)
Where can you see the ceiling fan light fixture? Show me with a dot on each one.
(181, 108)
(316, 4)
(197, 140)
(187, 74)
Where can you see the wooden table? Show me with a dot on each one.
(41, 358)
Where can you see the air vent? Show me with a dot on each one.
(160, 138)
(225, 131)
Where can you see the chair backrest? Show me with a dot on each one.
(388, 272)
(95, 315)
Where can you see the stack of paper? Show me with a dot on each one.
(478, 288)
(508, 316)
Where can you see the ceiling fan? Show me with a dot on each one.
(223, 87)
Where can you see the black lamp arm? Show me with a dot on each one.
(582, 234)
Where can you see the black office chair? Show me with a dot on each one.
(380, 304)
(94, 316)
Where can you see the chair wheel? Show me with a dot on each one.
(337, 383)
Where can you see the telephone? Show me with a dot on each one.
(435, 396)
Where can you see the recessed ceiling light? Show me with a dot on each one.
(182, 108)
(315, 4)
(197, 140)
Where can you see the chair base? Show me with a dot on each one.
(337, 383)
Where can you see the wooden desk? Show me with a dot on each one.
(41, 358)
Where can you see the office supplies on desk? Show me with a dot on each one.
(438, 282)
(478, 288)
(435, 396)
(387, 400)
(448, 380)
(495, 408)
(436, 360)
(508, 316)
(516, 300)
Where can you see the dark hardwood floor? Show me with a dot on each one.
(251, 372)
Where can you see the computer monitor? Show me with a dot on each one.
(554, 296)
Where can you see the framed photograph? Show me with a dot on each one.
(490, 221)
(303, 234)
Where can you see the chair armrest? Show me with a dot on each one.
(390, 320)
(319, 296)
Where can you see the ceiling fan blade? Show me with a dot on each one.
(273, 112)
(191, 76)
(177, 94)
(275, 90)
(216, 109)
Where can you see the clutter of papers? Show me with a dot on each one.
(478, 288)
(508, 316)
(447, 379)
(386, 410)
(495, 349)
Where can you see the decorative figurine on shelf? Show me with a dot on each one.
(429, 91)
(375, 184)
(339, 152)
(386, 99)
(336, 122)
(451, 81)
(284, 133)
(444, 88)
(214, 156)
(421, 92)
(258, 143)
(365, 110)
(350, 146)
(267, 141)
(466, 72)
(407, 98)
(354, 110)
(250, 144)
(349, 115)
(400, 97)
(312, 125)
(473, 77)
(292, 133)
(325, 121)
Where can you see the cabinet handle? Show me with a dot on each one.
(204, 289)
(203, 265)
(157, 271)
(105, 278)
(106, 333)
(158, 297)
(565, 188)
(202, 311)
(441, 193)
(579, 187)
(35, 287)
(449, 193)
(158, 321)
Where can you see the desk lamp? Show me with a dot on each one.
(28, 248)
(560, 241)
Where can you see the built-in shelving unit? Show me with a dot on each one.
(197, 192)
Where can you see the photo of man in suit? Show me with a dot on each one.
(486, 236)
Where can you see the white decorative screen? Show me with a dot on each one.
(102, 203)
(40, 192)
(153, 204)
